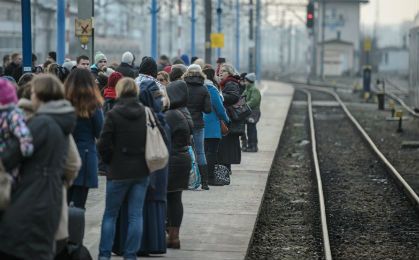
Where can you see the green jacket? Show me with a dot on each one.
(252, 97)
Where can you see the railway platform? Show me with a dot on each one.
(218, 223)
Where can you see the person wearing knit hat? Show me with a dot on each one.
(12, 120)
(253, 99)
(148, 71)
(100, 66)
(7, 93)
(200, 62)
(109, 92)
(99, 56)
(177, 71)
(126, 68)
(148, 66)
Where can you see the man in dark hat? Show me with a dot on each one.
(148, 71)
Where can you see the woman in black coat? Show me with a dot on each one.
(181, 125)
(199, 102)
(28, 225)
(122, 146)
(229, 151)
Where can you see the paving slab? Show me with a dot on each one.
(218, 223)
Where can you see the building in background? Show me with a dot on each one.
(342, 24)
(394, 60)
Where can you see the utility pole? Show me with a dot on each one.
(193, 21)
(60, 47)
(86, 11)
(208, 23)
(251, 38)
(154, 12)
(289, 44)
(26, 35)
(179, 29)
(237, 35)
(170, 25)
(219, 12)
(258, 40)
(322, 43)
(282, 42)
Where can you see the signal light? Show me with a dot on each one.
(310, 15)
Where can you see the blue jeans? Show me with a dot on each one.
(116, 190)
(198, 139)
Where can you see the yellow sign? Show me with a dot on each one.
(217, 40)
(83, 27)
(367, 44)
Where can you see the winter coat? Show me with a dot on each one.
(159, 95)
(231, 93)
(85, 134)
(13, 70)
(122, 142)
(212, 120)
(127, 70)
(253, 97)
(229, 149)
(199, 100)
(180, 124)
(29, 224)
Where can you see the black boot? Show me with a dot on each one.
(244, 144)
(204, 176)
(253, 148)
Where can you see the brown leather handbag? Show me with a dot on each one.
(224, 128)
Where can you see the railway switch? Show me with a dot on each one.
(381, 97)
(392, 106)
(399, 114)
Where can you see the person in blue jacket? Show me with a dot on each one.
(83, 93)
(212, 122)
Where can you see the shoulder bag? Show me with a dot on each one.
(156, 154)
(239, 111)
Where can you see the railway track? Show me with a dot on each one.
(368, 210)
(364, 213)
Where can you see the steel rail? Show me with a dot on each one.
(399, 179)
(325, 232)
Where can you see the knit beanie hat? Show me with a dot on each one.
(114, 78)
(99, 56)
(7, 93)
(251, 77)
(194, 68)
(148, 66)
(127, 57)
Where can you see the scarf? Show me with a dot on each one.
(109, 92)
(229, 78)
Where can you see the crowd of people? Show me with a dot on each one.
(64, 125)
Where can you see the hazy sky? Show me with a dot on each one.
(390, 11)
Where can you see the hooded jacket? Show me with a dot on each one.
(29, 224)
(122, 141)
(199, 100)
(180, 123)
(253, 96)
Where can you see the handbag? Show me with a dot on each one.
(156, 154)
(254, 117)
(240, 110)
(221, 175)
(194, 175)
(5, 187)
(224, 128)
